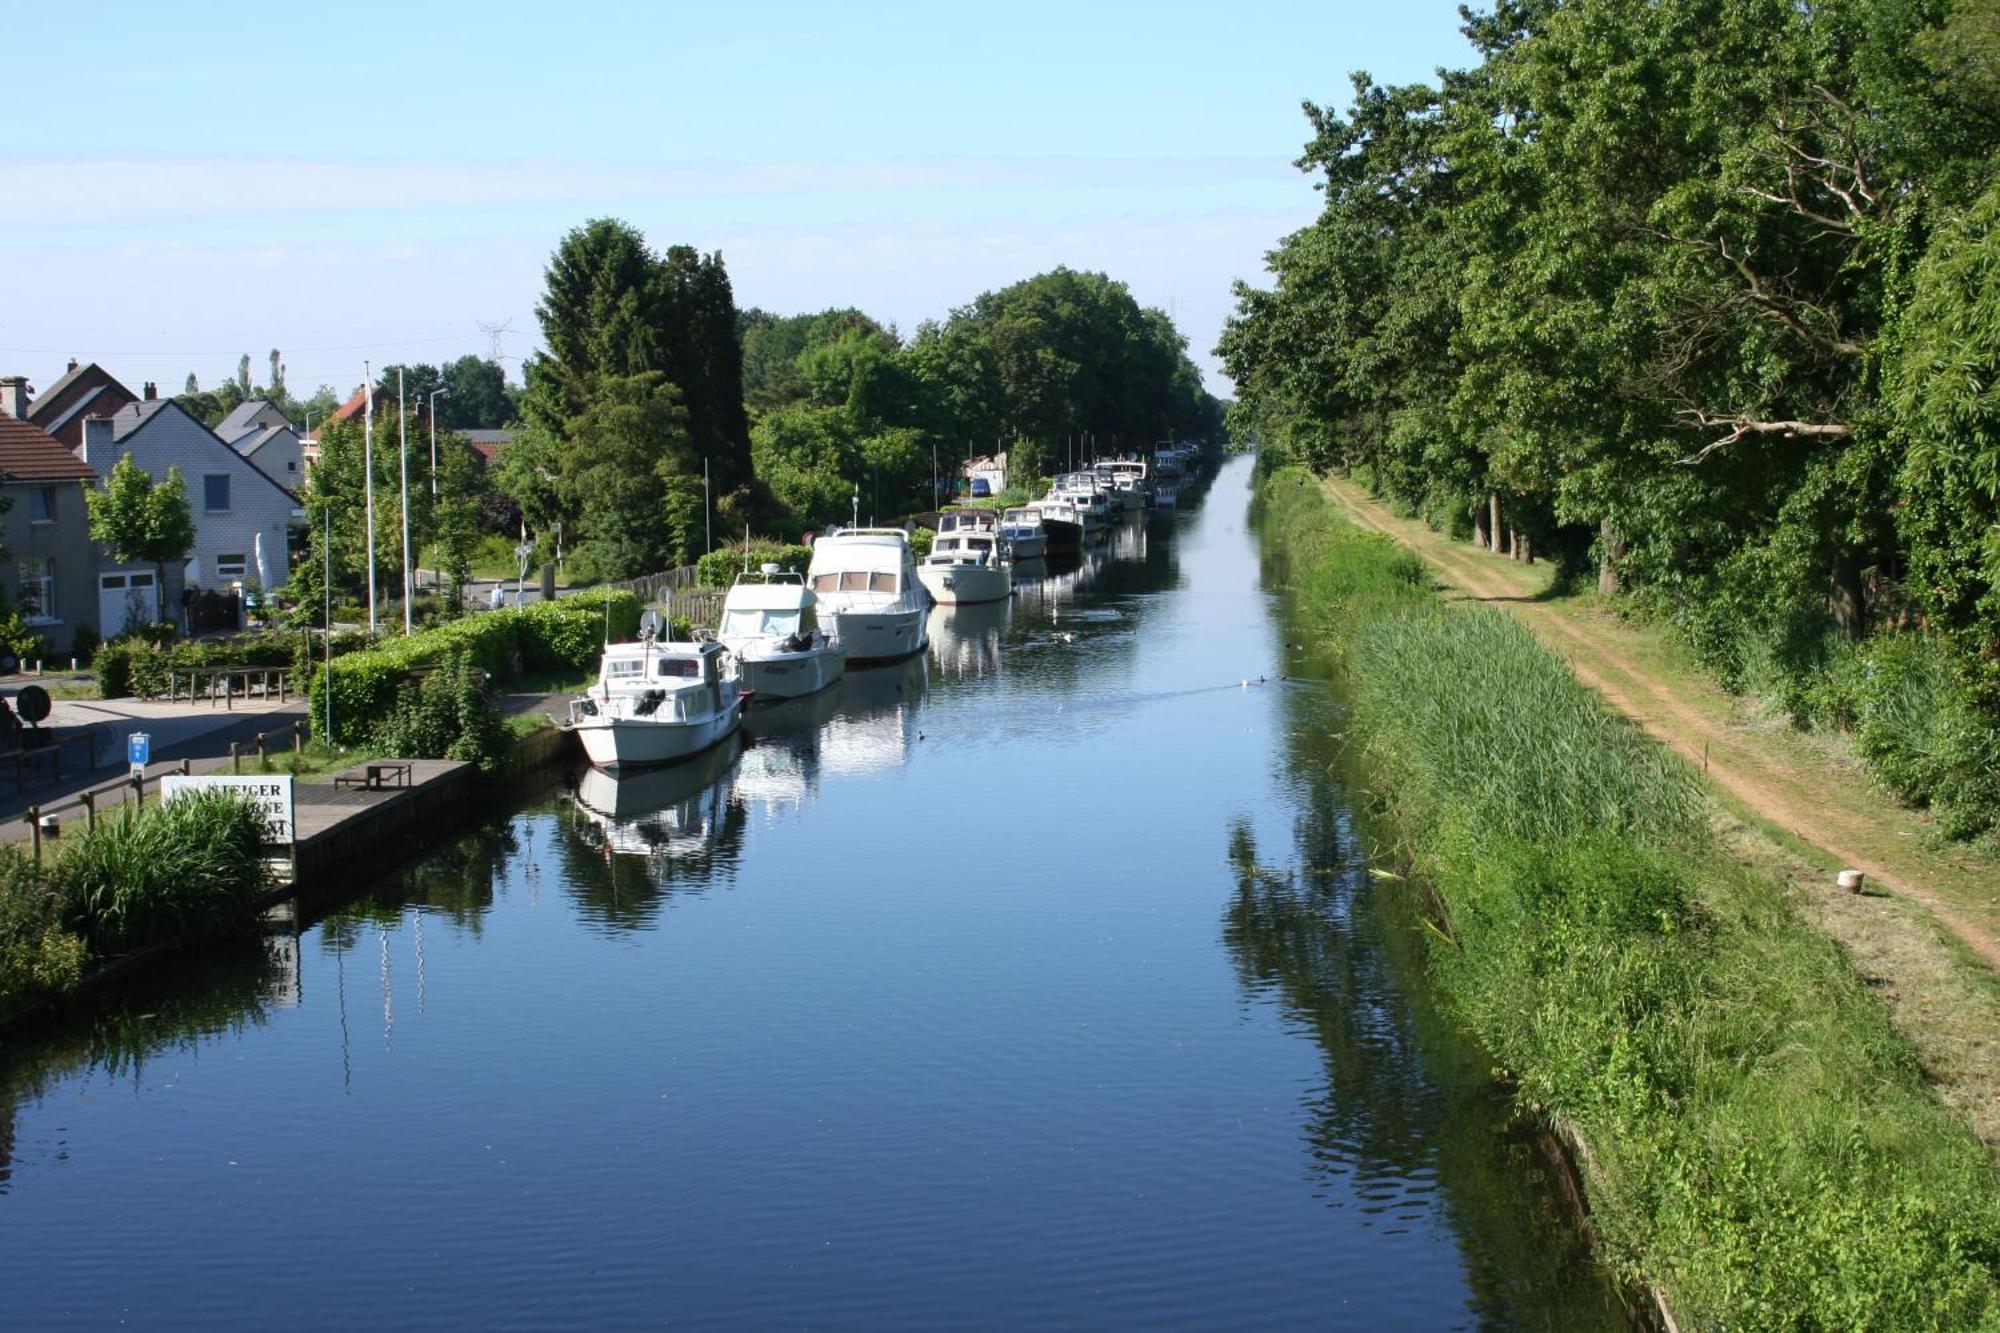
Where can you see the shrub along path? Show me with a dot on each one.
(1809, 806)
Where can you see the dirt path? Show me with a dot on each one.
(1775, 778)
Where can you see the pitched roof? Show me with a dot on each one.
(68, 414)
(254, 439)
(29, 453)
(239, 421)
(352, 408)
(134, 415)
(67, 378)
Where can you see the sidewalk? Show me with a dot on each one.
(198, 733)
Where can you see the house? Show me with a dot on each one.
(46, 531)
(258, 431)
(993, 470)
(82, 391)
(487, 444)
(354, 409)
(238, 511)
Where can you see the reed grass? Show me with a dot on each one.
(1762, 1146)
(145, 875)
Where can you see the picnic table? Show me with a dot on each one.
(377, 775)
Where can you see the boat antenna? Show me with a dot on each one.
(746, 546)
(857, 505)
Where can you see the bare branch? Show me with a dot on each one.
(1743, 424)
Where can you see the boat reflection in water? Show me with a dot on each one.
(966, 639)
(661, 816)
(876, 724)
(780, 769)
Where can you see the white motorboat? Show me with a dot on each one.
(1024, 533)
(869, 597)
(770, 627)
(1062, 526)
(1130, 477)
(967, 565)
(656, 702)
(1087, 498)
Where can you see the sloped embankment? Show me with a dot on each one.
(1762, 1147)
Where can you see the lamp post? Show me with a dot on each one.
(403, 449)
(368, 477)
(434, 438)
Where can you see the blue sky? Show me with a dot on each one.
(185, 183)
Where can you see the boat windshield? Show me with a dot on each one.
(748, 623)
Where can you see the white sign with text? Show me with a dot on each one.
(273, 793)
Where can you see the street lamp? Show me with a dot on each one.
(434, 438)
(403, 448)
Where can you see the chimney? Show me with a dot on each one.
(72, 367)
(14, 396)
(152, 391)
(97, 443)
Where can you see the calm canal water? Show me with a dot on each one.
(1037, 983)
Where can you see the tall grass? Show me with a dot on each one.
(1763, 1147)
(142, 876)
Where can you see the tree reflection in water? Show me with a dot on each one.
(1409, 1118)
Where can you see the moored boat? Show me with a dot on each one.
(770, 627)
(868, 594)
(967, 565)
(1024, 532)
(656, 702)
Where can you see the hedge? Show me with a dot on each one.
(719, 568)
(132, 665)
(564, 635)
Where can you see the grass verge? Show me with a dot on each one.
(1762, 1146)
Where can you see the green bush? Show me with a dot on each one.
(718, 569)
(1918, 728)
(446, 715)
(564, 635)
(150, 874)
(134, 665)
(37, 956)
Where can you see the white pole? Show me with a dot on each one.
(707, 519)
(368, 477)
(328, 590)
(403, 448)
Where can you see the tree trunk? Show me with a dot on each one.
(1848, 599)
(1493, 519)
(1479, 528)
(1524, 544)
(1609, 550)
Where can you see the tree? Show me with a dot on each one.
(135, 520)
(479, 397)
(243, 377)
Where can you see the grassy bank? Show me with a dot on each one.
(1761, 1146)
(141, 876)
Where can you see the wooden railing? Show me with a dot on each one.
(225, 685)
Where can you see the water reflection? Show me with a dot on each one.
(877, 722)
(633, 841)
(780, 769)
(966, 640)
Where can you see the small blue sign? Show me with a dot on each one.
(139, 748)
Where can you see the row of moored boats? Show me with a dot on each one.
(862, 601)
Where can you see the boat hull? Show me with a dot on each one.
(791, 675)
(872, 637)
(965, 585)
(621, 743)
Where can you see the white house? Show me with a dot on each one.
(993, 470)
(240, 514)
(261, 433)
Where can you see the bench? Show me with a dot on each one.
(381, 774)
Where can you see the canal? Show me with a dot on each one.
(1038, 982)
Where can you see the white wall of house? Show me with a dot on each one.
(281, 458)
(232, 502)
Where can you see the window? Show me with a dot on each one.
(229, 568)
(880, 582)
(215, 492)
(291, 465)
(42, 505)
(854, 580)
(38, 591)
(826, 583)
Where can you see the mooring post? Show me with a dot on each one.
(35, 830)
(263, 764)
(234, 766)
(89, 799)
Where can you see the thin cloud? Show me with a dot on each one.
(114, 192)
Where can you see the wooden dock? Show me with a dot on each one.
(351, 829)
